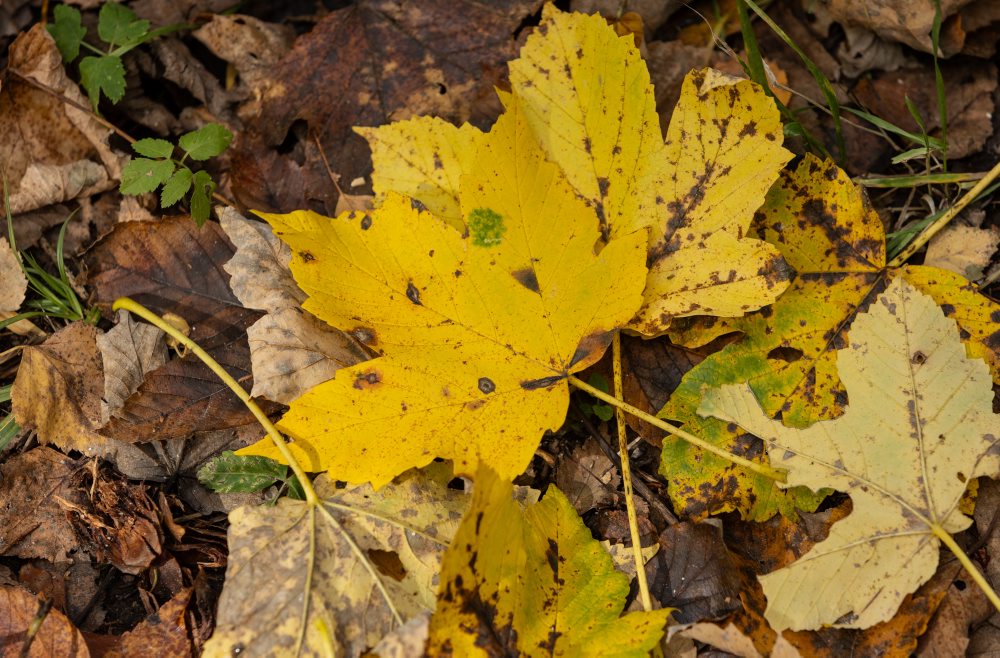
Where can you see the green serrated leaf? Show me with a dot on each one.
(175, 188)
(153, 148)
(231, 473)
(206, 142)
(67, 31)
(118, 25)
(143, 175)
(201, 197)
(103, 74)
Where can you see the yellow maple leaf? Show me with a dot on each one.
(533, 582)
(477, 331)
(588, 99)
(918, 427)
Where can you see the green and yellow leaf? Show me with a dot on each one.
(478, 331)
(533, 582)
(835, 242)
(918, 428)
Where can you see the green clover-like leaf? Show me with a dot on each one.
(118, 25)
(175, 188)
(143, 175)
(153, 148)
(206, 142)
(201, 197)
(103, 74)
(67, 31)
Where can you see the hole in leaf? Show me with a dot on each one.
(960, 585)
(387, 563)
(786, 354)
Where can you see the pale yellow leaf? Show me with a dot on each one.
(918, 427)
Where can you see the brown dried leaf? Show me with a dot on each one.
(909, 22)
(58, 392)
(56, 637)
(695, 573)
(170, 266)
(249, 44)
(129, 351)
(164, 633)
(51, 151)
(14, 283)
(387, 61)
(965, 250)
(587, 477)
(32, 523)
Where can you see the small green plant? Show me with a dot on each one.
(8, 426)
(120, 29)
(232, 473)
(56, 296)
(599, 409)
(158, 167)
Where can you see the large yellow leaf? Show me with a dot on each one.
(477, 331)
(533, 582)
(588, 99)
(918, 427)
(330, 577)
(834, 240)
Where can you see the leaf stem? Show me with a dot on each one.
(949, 215)
(775, 474)
(633, 520)
(136, 308)
(966, 561)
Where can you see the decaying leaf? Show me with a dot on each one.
(129, 351)
(338, 577)
(587, 477)
(290, 349)
(731, 640)
(56, 637)
(533, 582)
(164, 633)
(477, 331)
(835, 242)
(14, 283)
(918, 427)
(52, 151)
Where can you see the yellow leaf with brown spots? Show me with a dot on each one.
(423, 158)
(477, 331)
(919, 426)
(588, 99)
(533, 582)
(835, 242)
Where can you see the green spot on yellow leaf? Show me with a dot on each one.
(485, 227)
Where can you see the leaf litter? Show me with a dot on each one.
(709, 174)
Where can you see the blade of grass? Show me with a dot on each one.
(942, 98)
(824, 83)
(916, 180)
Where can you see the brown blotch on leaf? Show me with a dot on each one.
(306, 257)
(367, 379)
(918, 358)
(365, 336)
(366, 222)
(413, 294)
(527, 278)
(786, 354)
(543, 382)
(486, 385)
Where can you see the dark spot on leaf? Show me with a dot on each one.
(417, 205)
(367, 379)
(387, 563)
(603, 184)
(365, 336)
(749, 130)
(527, 278)
(486, 385)
(544, 382)
(918, 358)
(306, 256)
(413, 294)
(366, 222)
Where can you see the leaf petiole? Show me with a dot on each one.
(970, 567)
(136, 308)
(775, 474)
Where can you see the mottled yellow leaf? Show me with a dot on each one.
(833, 239)
(918, 428)
(533, 582)
(330, 576)
(423, 158)
(477, 332)
(588, 98)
